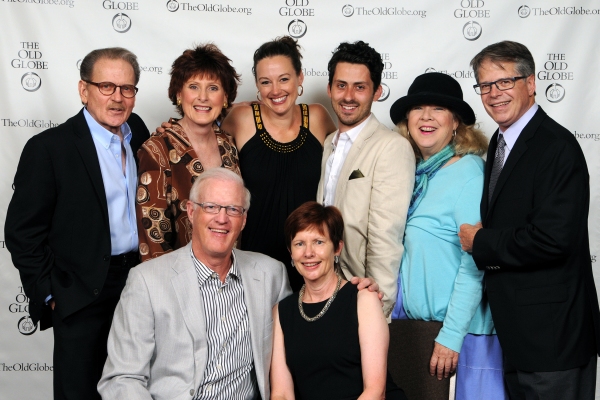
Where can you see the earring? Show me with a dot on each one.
(178, 102)
(258, 96)
(293, 265)
(454, 133)
(336, 259)
(301, 90)
(225, 105)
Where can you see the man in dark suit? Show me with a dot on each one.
(71, 226)
(533, 242)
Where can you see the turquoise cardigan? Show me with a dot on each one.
(440, 282)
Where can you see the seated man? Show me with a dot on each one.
(198, 321)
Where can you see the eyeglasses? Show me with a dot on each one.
(501, 84)
(108, 88)
(212, 208)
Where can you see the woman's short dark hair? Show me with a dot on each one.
(281, 46)
(357, 53)
(204, 60)
(316, 216)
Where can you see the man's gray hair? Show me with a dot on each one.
(220, 174)
(505, 51)
(86, 69)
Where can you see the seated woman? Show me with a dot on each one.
(330, 340)
(203, 84)
(281, 146)
(438, 281)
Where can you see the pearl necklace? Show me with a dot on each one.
(324, 310)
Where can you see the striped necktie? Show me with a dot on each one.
(497, 166)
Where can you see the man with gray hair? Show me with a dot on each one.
(196, 323)
(533, 241)
(71, 226)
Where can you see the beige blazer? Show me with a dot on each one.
(375, 205)
(157, 347)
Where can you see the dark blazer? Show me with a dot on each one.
(57, 228)
(535, 249)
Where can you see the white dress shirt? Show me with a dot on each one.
(342, 143)
(512, 133)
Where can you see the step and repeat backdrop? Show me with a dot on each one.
(43, 42)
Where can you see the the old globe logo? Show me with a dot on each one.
(385, 92)
(297, 28)
(172, 5)
(347, 10)
(428, 70)
(555, 93)
(472, 30)
(78, 63)
(31, 81)
(26, 326)
(121, 23)
(524, 11)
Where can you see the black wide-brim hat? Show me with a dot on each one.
(437, 89)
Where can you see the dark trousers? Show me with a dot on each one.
(576, 383)
(409, 353)
(80, 342)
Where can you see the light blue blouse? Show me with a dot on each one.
(440, 282)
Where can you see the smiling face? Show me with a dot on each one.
(431, 128)
(202, 100)
(277, 82)
(313, 252)
(506, 107)
(109, 111)
(352, 94)
(214, 235)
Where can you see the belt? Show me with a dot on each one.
(126, 260)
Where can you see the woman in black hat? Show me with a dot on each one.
(439, 283)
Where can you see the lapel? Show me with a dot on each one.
(185, 285)
(87, 150)
(253, 282)
(349, 162)
(327, 150)
(515, 155)
(487, 173)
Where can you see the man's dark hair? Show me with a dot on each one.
(357, 53)
(505, 51)
(86, 69)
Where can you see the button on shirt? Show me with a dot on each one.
(229, 369)
(342, 143)
(119, 188)
(512, 133)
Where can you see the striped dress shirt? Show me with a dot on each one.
(230, 366)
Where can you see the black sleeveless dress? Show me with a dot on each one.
(323, 356)
(280, 177)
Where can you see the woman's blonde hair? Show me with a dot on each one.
(469, 139)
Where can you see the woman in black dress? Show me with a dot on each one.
(280, 147)
(330, 340)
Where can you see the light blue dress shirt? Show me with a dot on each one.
(119, 188)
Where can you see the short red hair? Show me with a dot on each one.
(314, 215)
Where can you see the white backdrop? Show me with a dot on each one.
(43, 41)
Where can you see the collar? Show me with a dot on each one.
(103, 135)
(512, 133)
(354, 132)
(204, 273)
